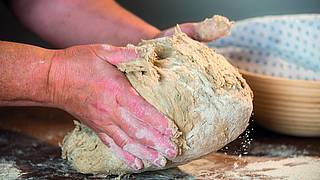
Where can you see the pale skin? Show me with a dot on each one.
(82, 79)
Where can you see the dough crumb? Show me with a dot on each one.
(213, 28)
(8, 170)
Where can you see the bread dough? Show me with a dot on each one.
(196, 88)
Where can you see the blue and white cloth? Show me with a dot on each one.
(283, 46)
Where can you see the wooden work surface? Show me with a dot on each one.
(29, 138)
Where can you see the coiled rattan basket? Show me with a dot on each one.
(284, 105)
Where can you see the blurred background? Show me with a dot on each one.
(167, 13)
(30, 134)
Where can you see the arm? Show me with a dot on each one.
(83, 81)
(64, 23)
(25, 75)
(73, 22)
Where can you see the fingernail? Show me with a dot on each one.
(104, 139)
(137, 164)
(171, 153)
(108, 145)
(160, 161)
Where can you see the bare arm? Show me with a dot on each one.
(24, 74)
(65, 23)
(74, 22)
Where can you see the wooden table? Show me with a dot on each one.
(29, 138)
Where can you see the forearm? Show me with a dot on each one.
(66, 23)
(24, 75)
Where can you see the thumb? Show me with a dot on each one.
(115, 55)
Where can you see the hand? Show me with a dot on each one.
(87, 85)
(204, 31)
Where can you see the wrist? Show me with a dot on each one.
(25, 75)
(56, 83)
(41, 80)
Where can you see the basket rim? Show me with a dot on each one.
(282, 80)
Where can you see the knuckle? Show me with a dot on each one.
(123, 142)
(119, 137)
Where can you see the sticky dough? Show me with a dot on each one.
(206, 99)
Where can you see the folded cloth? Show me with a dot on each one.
(284, 46)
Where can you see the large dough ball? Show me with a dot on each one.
(196, 88)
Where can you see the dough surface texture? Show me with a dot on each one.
(208, 103)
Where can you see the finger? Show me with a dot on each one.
(134, 148)
(204, 31)
(145, 134)
(115, 55)
(141, 109)
(148, 154)
(127, 158)
(126, 96)
(187, 28)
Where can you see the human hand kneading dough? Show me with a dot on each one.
(101, 97)
(107, 103)
(83, 79)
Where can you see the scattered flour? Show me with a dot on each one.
(290, 168)
(8, 170)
